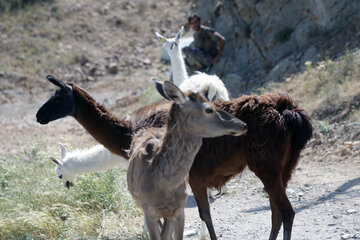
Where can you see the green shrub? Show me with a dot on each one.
(324, 127)
(34, 204)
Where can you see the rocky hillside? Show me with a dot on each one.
(268, 40)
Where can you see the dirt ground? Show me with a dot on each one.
(326, 198)
(324, 190)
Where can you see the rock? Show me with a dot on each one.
(286, 66)
(190, 233)
(90, 78)
(146, 61)
(261, 35)
(314, 142)
(310, 55)
(349, 145)
(301, 35)
(113, 68)
(234, 84)
(345, 236)
(351, 211)
(345, 152)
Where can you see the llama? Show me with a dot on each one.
(161, 158)
(209, 86)
(277, 132)
(77, 162)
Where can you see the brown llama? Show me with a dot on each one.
(161, 158)
(277, 132)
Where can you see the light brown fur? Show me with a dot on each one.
(161, 158)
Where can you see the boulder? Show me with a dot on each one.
(262, 36)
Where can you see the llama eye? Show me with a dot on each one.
(209, 110)
(172, 45)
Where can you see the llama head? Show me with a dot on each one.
(200, 116)
(171, 45)
(63, 171)
(60, 105)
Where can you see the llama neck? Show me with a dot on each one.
(178, 68)
(94, 159)
(177, 152)
(107, 129)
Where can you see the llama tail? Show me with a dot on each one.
(299, 124)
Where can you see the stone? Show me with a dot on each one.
(301, 35)
(283, 68)
(310, 55)
(261, 35)
(234, 84)
(113, 68)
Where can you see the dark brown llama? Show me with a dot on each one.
(277, 131)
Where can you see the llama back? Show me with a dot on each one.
(209, 86)
(97, 158)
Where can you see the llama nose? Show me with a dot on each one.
(39, 117)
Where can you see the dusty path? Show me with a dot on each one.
(325, 189)
(326, 198)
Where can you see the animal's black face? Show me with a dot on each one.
(60, 105)
(69, 184)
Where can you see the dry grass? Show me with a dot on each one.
(324, 85)
(34, 204)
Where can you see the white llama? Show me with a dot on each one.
(209, 86)
(77, 162)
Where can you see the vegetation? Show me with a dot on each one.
(150, 95)
(327, 86)
(34, 204)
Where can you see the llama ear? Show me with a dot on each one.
(161, 38)
(57, 82)
(54, 161)
(174, 93)
(178, 35)
(62, 150)
(160, 88)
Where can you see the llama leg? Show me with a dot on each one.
(145, 229)
(179, 226)
(202, 200)
(282, 211)
(167, 229)
(153, 226)
(276, 220)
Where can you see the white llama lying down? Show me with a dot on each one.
(209, 86)
(77, 162)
